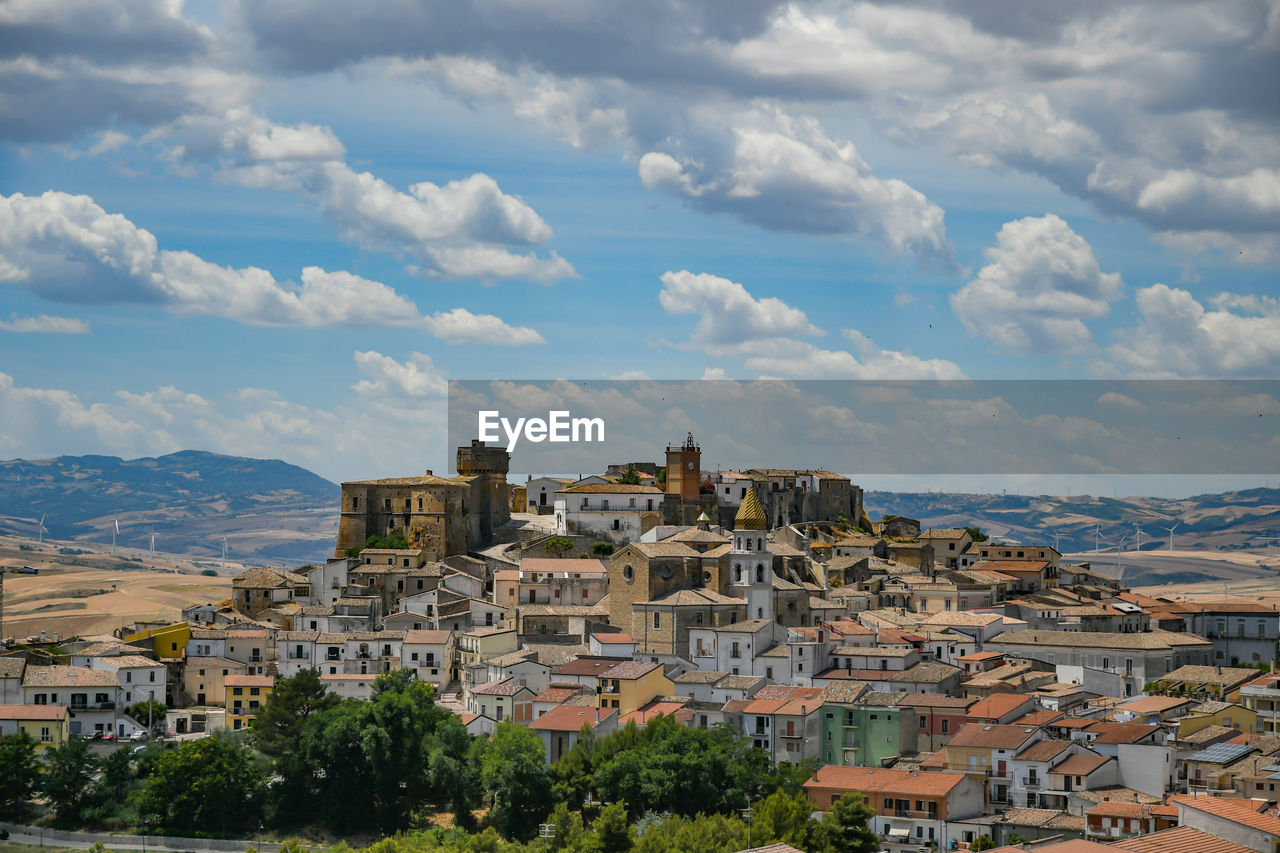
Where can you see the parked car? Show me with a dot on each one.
(138, 736)
(108, 735)
(97, 735)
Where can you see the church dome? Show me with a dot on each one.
(750, 514)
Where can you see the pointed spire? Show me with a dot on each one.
(750, 514)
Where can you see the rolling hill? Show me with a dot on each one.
(270, 512)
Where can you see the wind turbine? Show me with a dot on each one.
(153, 546)
(224, 553)
(1056, 537)
(41, 530)
(1171, 529)
(1120, 556)
(1097, 538)
(114, 534)
(1139, 529)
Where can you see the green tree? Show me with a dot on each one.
(453, 775)
(516, 781)
(558, 546)
(699, 834)
(781, 817)
(982, 842)
(630, 477)
(845, 829)
(279, 722)
(19, 772)
(601, 549)
(148, 712)
(976, 534)
(209, 785)
(612, 832)
(662, 476)
(68, 779)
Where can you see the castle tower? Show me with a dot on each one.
(751, 563)
(684, 470)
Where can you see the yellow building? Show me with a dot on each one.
(245, 695)
(169, 641)
(631, 685)
(47, 725)
(1213, 713)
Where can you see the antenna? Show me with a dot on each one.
(1171, 529)
(42, 530)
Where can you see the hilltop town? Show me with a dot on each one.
(972, 692)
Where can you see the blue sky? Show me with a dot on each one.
(832, 190)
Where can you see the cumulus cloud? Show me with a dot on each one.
(460, 229)
(45, 324)
(67, 248)
(784, 173)
(1177, 336)
(728, 315)
(391, 423)
(1149, 110)
(767, 334)
(1041, 285)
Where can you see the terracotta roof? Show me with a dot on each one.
(1180, 839)
(429, 636)
(248, 681)
(1045, 750)
(1154, 704)
(33, 712)
(937, 700)
(427, 479)
(1039, 718)
(588, 666)
(1044, 819)
(998, 704)
(1098, 639)
(1081, 764)
(992, 736)
(878, 779)
(69, 676)
(1224, 675)
(1112, 732)
(548, 565)
(1244, 812)
(569, 718)
(557, 693)
(631, 670)
(613, 639)
(613, 489)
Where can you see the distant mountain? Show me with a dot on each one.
(269, 511)
(1231, 521)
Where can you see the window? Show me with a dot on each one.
(45, 735)
(924, 722)
(946, 726)
(657, 620)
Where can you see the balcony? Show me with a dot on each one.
(704, 653)
(1031, 782)
(296, 655)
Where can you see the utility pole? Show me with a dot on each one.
(747, 814)
(12, 570)
(547, 832)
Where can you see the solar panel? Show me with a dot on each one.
(1221, 753)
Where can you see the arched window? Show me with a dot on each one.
(737, 573)
(760, 574)
(628, 573)
(760, 544)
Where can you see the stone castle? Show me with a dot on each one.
(440, 515)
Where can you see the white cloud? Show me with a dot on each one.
(46, 324)
(69, 249)
(1041, 285)
(729, 316)
(765, 333)
(393, 422)
(1177, 336)
(416, 377)
(784, 173)
(456, 230)
(461, 326)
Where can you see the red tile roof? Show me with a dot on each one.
(570, 718)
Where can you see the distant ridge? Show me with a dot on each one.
(267, 508)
